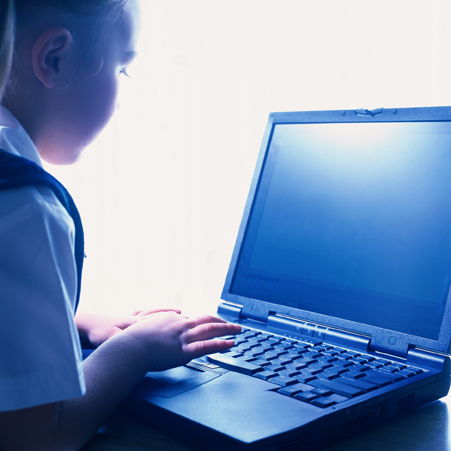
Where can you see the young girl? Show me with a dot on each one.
(60, 61)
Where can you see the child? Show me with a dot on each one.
(59, 92)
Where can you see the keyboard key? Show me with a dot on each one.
(323, 402)
(330, 374)
(328, 359)
(292, 390)
(284, 360)
(269, 356)
(306, 396)
(296, 366)
(406, 373)
(321, 392)
(312, 355)
(337, 387)
(279, 361)
(349, 355)
(306, 361)
(274, 367)
(337, 370)
(319, 366)
(255, 353)
(284, 346)
(353, 375)
(227, 337)
(292, 356)
(306, 378)
(374, 365)
(314, 341)
(284, 381)
(243, 348)
(337, 398)
(342, 363)
(253, 344)
(312, 371)
(394, 367)
(275, 353)
(393, 377)
(266, 375)
(377, 380)
(249, 334)
(289, 373)
(362, 384)
(274, 340)
(233, 353)
(232, 364)
(383, 361)
(246, 358)
(360, 360)
(261, 363)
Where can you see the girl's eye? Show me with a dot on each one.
(124, 72)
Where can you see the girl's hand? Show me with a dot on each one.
(95, 329)
(168, 339)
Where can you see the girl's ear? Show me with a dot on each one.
(50, 55)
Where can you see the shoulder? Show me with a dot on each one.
(32, 203)
(37, 239)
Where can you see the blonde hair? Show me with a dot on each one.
(7, 25)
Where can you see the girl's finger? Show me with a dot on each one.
(201, 348)
(207, 319)
(211, 330)
(152, 311)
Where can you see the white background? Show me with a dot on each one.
(161, 192)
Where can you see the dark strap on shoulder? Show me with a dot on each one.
(17, 172)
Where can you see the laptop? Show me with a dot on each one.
(340, 278)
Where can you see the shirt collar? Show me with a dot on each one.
(14, 138)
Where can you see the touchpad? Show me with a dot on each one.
(172, 382)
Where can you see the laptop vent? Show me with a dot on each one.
(300, 444)
(406, 403)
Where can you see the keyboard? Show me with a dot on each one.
(309, 371)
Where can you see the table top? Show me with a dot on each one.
(426, 428)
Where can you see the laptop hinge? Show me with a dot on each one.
(425, 358)
(230, 312)
(299, 328)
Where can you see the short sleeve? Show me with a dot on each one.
(40, 355)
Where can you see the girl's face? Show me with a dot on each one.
(84, 108)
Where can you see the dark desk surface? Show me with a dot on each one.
(426, 428)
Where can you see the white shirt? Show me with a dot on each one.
(40, 355)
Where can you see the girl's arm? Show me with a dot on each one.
(161, 341)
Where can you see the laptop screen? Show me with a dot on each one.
(353, 220)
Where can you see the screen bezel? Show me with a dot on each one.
(381, 338)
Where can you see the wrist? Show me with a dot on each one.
(129, 351)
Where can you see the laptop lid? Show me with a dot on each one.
(347, 226)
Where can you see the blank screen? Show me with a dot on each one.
(353, 220)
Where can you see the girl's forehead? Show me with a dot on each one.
(122, 36)
(129, 22)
